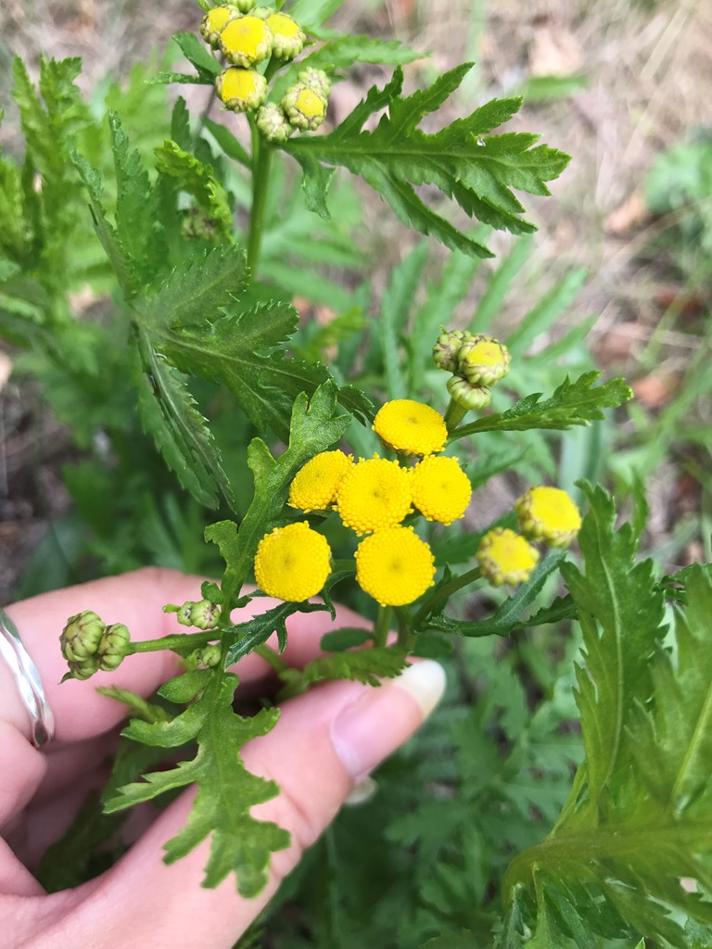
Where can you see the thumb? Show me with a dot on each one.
(324, 743)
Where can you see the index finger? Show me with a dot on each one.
(135, 599)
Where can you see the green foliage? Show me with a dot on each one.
(638, 816)
(475, 169)
(226, 790)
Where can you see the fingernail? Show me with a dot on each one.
(362, 792)
(381, 719)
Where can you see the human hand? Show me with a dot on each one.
(324, 742)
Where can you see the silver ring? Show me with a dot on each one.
(29, 682)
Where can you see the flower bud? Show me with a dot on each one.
(505, 557)
(204, 614)
(548, 514)
(468, 396)
(246, 40)
(273, 124)
(210, 655)
(241, 89)
(244, 6)
(114, 646)
(483, 360)
(317, 80)
(288, 38)
(215, 21)
(81, 636)
(305, 108)
(447, 349)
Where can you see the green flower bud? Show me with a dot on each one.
(483, 360)
(305, 108)
(241, 89)
(244, 6)
(81, 636)
(263, 13)
(204, 614)
(83, 669)
(215, 21)
(468, 396)
(288, 38)
(211, 655)
(114, 646)
(273, 124)
(447, 348)
(317, 80)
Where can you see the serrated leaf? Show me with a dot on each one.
(639, 817)
(226, 790)
(196, 54)
(348, 638)
(244, 637)
(170, 415)
(362, 665)
(198, 179)
(511, 615)
(573, 403)
(477, 171)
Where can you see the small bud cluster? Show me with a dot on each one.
(202, 614)
(249, 36)
(477, 362)
(88, 644)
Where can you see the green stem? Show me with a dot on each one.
(382, 626)
(178, 642)
(443, 594)
(454, 415)
(270, 656)
(261, 161)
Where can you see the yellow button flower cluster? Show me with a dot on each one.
(293, 562)
(249, 37)
(372, 496)
(545, 514)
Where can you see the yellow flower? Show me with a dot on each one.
(411, 427)
(441, 489)
(293, 562)
(548, 514)
(241, 89)
(288, 36)
(246, 40)
(505, 557)
(394, 566)
(483, 360)
(315, 485)
(214, 22)
(375, 493)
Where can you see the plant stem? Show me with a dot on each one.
(454, 415)
(273, 658)
(261, 161)
(443, 594)
(178, 642)
(382, 626)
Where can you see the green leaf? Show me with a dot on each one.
(511, 615)
(476, 170)
(244, 637)
(170, 415)
(315, 426)
(462, 939)
(226, 790)
(198, 179)
(639, 816)
(362, 665)
(395, 307)
(499, 285)
(348, 638)
(312, 13)
(196, 292)
(622, 624)
(206, 65)
(229, 144)
(573, 403)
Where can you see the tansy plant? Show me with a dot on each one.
(349, 477)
